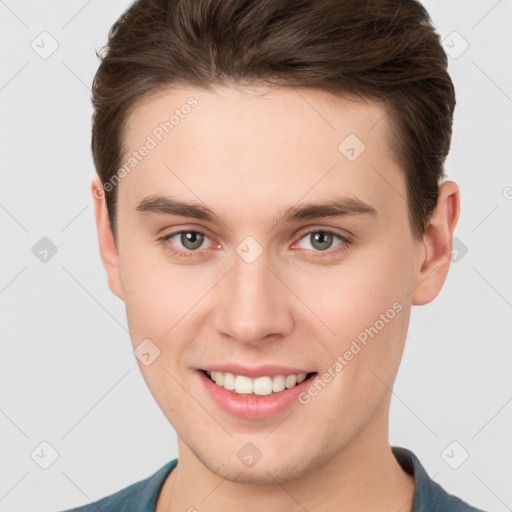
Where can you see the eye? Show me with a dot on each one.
(187, 242)
(190, 240)
(322, 240)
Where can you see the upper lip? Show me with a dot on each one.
(270, 370)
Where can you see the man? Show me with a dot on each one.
(269, 206)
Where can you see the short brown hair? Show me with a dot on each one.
(382, 50)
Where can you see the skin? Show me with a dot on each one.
(248, 154)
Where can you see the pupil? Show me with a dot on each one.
(191, 239)
(324, 240)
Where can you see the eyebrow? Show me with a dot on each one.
(338, 206)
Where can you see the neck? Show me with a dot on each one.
(364, 475)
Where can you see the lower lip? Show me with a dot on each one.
(254, 406)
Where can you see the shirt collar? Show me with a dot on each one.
(429, 496)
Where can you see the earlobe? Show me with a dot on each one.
(107, 246)
(435, 260)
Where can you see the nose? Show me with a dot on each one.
(254, 306)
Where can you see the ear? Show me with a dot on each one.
(107, 246)
(435, 258)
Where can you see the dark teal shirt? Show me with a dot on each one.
(141, 496)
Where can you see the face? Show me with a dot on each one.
(257, 283)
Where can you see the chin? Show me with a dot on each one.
(263, 472)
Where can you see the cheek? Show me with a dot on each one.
(157, 307)
(157, 292)
(352, 295)
(363, 307)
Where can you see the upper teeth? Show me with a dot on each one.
(260, 386)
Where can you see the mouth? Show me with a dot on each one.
(260, 386)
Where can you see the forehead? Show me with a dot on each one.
(260, 144)
(312, 117)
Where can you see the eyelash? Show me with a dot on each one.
(338, 249)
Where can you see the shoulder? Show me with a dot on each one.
(429, 496)
(138, 497)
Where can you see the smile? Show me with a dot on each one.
(264, 385)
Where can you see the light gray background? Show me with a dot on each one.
(68, 376)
